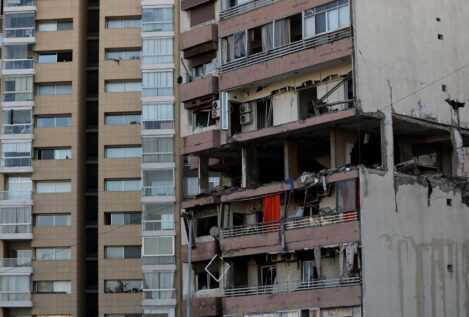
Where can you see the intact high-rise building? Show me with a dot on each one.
(324, 158)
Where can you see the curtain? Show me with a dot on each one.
(282, 32)
(317, 260)
(267, 43)
(239, 45)
(271, 206)
(346, 195)
(158, 84)
(157, 51)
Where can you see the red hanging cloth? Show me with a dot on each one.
(271, 206)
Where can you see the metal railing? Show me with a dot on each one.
(16, 161)
(17, 128)
(288, 49)
(160, 157)
(16, 195)
(16, 262)
(14, 296)
(12, 228)
(243, 8)
(155, 225)
(158, 190)
(18, 96)
(20, 3)
(289, 224)
(11, 64)
(295, 286)
(157, 124)
(159, 294)
(19, 32)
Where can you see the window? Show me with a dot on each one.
(53, 254)
(123, 86)
(293, 313)
(53, 187)
(123, 23)
(57, 57)
(203, 280)
(346, 195)
(159, 311)
(122, 151)
(157, 150)
(205, 224)
(328, 17)
(17, 121)
(202, 118)
(54, 154)
(19, 187)
(45, 287)
(158, 217)
(122, 54)
(122, 286)
(51, 315)
(158, 182)
(158, 250)
(122, 185)
(53, 220)
(122, 315)
(54, 121)
(157, 51)
(55, 89)
(157, 19)
(122, 118)
(159, 285)
(122, 252)
(16, 154)
(202, 70)
(234, 47)
(19, 25)
(122, 218)
(157, 84)
(15, 286)
(15, 219)
(18, 56)
(310, 272)
(158, 116)
(52, 26)
(226, 4)
(267, 275)
(18, 89)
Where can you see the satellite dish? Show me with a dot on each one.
(179, 80)
(214, 232)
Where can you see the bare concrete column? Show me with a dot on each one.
(457, 157)
(387, 140)
(290, 159)
(203, 174)
(332, 142)
(249, 167)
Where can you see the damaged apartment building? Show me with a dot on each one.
(323, 147)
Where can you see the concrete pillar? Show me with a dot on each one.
(203, 174)
(457, 157)
(249, 167)
(387, 141)
(290, 159)
(332, 142)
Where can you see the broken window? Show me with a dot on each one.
(267, 275)
(264, 113)
(346, 195)
(202, 118)
(205, 224)
(204, 280)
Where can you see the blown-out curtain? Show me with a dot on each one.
(271, 206)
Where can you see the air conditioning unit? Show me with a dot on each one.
(216, 104)
(245, 108)
(245, 118)
(275, 257)
(215, 113)
(290, 256)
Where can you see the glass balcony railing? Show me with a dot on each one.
(156, 225)
(12, 228)
(18, 96)
(158, 190)
(19, 32)
(16, 195)
(157, 124)
(16, 262)
(20, 3)
(159, 294)
(17, 128)
(13, 64)
(14, 296)
(160, 157)
(16, 161)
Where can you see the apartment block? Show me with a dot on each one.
(323, 147)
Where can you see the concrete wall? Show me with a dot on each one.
(406, 252)
(398, 41)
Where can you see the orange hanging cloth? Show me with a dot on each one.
(271, 206)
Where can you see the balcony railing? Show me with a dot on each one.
(295, 286)
(289, 224)
(16, 262)
(20, 3)
(17, 128)
(13, 296)
(12, 64)
(156, 225)
(160, 157)
(16, 161)
(243, 8)
(288, 49)
(18, 96)
(14, 195)
(19, 32)
(158, 190)
(12, 228)
(157, 124)
(159, 294)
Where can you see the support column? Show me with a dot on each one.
(203, 174)
(457, 156)
(249, 167)
(290, 159)
(332, 142)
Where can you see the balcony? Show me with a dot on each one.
(16, 231)
(199, 40)
(16, 165)
(160, 190)
(19, 35)
(202, 141)
(159, 157)
(157, 225)
(17, 128)
(15, 196)
(18, 67)
(16, 265)
(244, 8)
(199, 87)
(20, 5)
(159, 297)
(17, 96)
